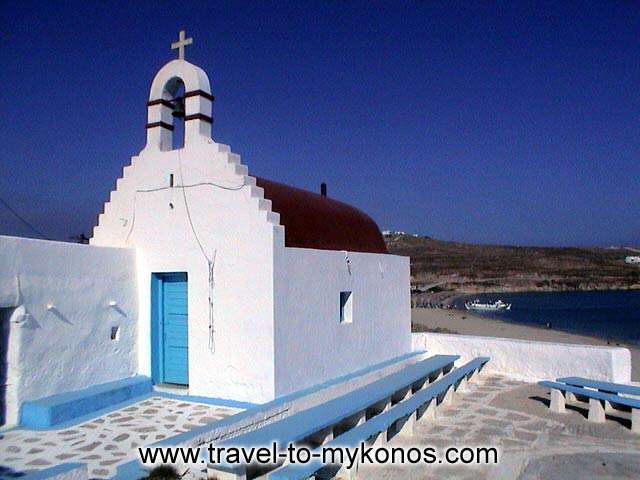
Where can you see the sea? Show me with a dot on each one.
(610, 315)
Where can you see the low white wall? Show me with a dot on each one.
(532, 361)
(312, 346)
(68, 346)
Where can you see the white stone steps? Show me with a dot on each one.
(264, 204)
(106, 208)
(241, 170)
(256, 192)
(273, 218)
(233, 159)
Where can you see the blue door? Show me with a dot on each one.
(173, 335)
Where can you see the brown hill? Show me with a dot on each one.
(468, 268)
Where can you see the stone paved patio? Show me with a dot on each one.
(104, 442)
(533, 442)
(512, 416)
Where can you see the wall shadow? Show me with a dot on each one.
(5, 326)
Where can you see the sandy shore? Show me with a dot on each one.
(457, 321)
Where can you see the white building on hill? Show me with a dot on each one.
(201, 276)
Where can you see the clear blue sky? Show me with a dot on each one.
(496, 122)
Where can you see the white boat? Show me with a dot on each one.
(487, 307)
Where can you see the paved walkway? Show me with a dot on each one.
(104, 442)
(533, 442)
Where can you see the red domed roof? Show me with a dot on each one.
(313, 221)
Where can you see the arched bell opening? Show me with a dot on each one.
(179, 107)
(174, 92)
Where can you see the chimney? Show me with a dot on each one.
(323, 189)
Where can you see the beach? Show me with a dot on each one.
(464, 323)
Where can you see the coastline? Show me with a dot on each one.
(447, 298)
(465, 323)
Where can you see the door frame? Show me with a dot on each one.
(6, 314)
(157, 323)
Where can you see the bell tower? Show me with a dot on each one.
(166, 105)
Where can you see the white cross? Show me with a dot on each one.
(180, 44)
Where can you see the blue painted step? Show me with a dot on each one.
(63, 471)
(49, 411)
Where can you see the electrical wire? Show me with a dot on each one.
(186, 207)
(211, 261)
(23, 220)
(199, 184)
(159, 189)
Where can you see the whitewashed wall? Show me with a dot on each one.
(68, 347)
(532, 361)
(220, 211)
(267, 310)
(311, 344)
(231, 219)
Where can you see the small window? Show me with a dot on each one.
(115, 333)
(346, 307)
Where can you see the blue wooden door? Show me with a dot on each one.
(175, 338)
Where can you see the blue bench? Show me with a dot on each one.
(606, 387)
(406, 412)
(317, 423)
(598, 402)
(63, 471)
(50, 411)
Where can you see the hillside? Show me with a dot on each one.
(458, 268)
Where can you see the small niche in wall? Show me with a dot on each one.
(346, 307)
(115, 333)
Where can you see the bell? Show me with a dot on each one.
(178, 108)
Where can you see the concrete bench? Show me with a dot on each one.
(606, 387)
(401, 419)
(320, 423)
(598, 402)
(56, 409)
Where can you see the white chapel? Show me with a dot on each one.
(202, 277)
